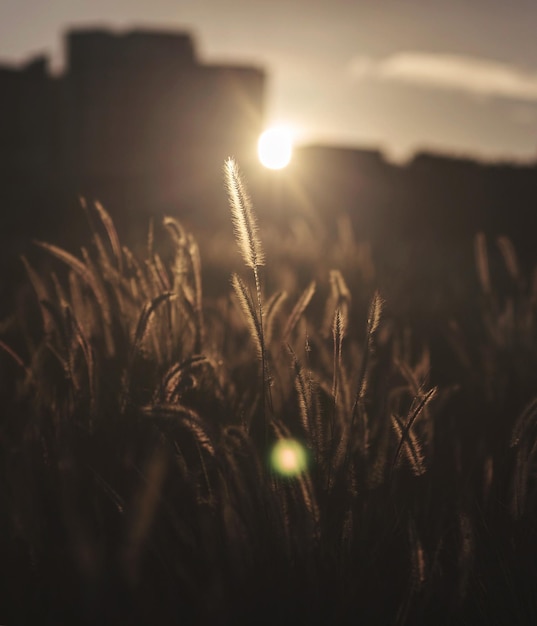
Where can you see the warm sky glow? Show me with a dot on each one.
(455, 76)
(275, 147)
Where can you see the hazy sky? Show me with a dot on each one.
(452, 75)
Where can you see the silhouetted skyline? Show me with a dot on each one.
(134, 120)
(454, 77)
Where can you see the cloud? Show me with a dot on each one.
(451, 72)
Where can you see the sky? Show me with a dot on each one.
(453, 76)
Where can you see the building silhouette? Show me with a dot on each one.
(138, 122)
(135, 120)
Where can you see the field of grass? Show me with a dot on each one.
(138, 475)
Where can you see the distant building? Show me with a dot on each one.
(135, 120)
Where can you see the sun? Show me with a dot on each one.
(275, 147)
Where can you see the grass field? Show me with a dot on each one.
(277, 453)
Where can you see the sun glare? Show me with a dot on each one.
(288, 457)
(275, 147)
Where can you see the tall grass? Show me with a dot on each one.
(137, 484)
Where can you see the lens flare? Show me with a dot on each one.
(275, 147)
(288, 457)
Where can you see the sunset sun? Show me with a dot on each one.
(275, 147)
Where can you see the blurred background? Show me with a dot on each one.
(413, 128)
(386, 146)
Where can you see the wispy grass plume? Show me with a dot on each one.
(246, 232)
(244, 221)
(249, 311)
(407, 439)
(298, 311)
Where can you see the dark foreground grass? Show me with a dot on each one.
(138, 422)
